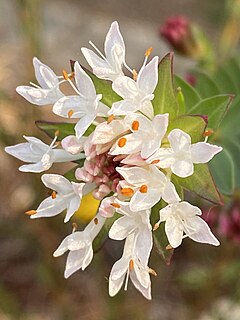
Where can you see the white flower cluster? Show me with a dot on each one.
(129, 159)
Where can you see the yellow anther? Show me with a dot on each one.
(135, 75)
(110, 118)
(155, 161)
(72, 75)
(169, 247)
(135, 125)
(70, 113)
(153, 272)
(65, 75)
(115, 205)
(143, 188)
(31, 212)
(54, 195)
(148, 52)
(57, 133)
(74, 226)
(95, 221)
(127, 192)
(131, 265)
(122, 142)
(208, 133)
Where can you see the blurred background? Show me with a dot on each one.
(201, 282)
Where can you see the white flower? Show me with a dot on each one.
(182, 220)
(72, 144)
(48, 92)
(137, 223)
(137, 95)
(85, 106)
(39, 155)
(181, 155)
(66, 195)
(130, 266)
(152, 185)
(109, 67)
(80, 245)
(146, 135)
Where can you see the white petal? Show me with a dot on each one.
(60, 155)
(179, 140)
(174, 232)
(114, 40)
(40, 97)
(74, 262)
(203, 233)
(38, 166)
(133, 145)
(135, 176)
(143, 201)
(23, 151)
(102, 109)
(57, 183)
(148, 76)
(74, 241)
(72, 207)
(100, 67)
(77, 105)
(121, 228)
(84, 82)
(106, 132)
(187, 210)
(203, 152)
(123, 107)
(44, 75)
(144, 123)
(50, 207)
(144, 243)
(145, 290)
(160, 124)
(87, 258)
(169, 193)
(182, 168)
(126, 88)
(72, 144)
(83, 124)
(165, 157)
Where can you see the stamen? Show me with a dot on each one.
(135, 74)
(57, 133)
(155, 161)
(95, 221)
(115, 205)
(131, 265)
(148, 52)
(153, 272)
(156, 226)
(127, 192)
(30, 212)
(110, 118)
(169, 247)
(65, 75)
(208, 133)
(143, 188)
(122, 142)
(74, 226)
(135, 125)
(72, 75)
(70, 113)
(54, 195)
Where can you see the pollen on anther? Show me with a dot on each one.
(148, 52)
(115, 205)
(143, 189)
(54, 195)
(127, 192)
(155, 161)
(122, 142)
(135, 75)
(70, 113)
(131, 265)
(135, 125)
(31, 212)
(208, 133)
(95, 221)
(65, 75)
(110, 118)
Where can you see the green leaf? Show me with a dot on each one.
(224, 81)
(201, 183)
(104, 87)
(193, 125)
(191, 96)
(205, 86)
(159, 235)
(164, 97)
(65, 129)
(215, 108)
(224, 179)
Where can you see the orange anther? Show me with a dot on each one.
(122, 142)
(127, 192)
(31, 212)
(115, 205)
(208, 133)
(156, 226)
(57, 133)
(169, 247)
(65, 75)
(70, 113)
(110, 118)
(95, 221)
(54, 195)
(135, 75)
(131, 265)
(148, 52)
(155, 161)
(135, 125)
(143, 189)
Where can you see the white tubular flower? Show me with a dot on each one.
(130, 266)
(79, 244)
(146, 135)
(66, 195)
(137, 95)
(137, 223)
(109, 67)
(85, 106)
(151, 184)
(72, 144)
(39, 155)
(48, 92)
(182, 220)
(181, 155)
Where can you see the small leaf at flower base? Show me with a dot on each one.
(201, 183)
(191, 96)
(65, 129)
(193, 125)
(104, 87)
(164, 96)
(224, 179)
(215, 107)
(205, 86)
(159, 235)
